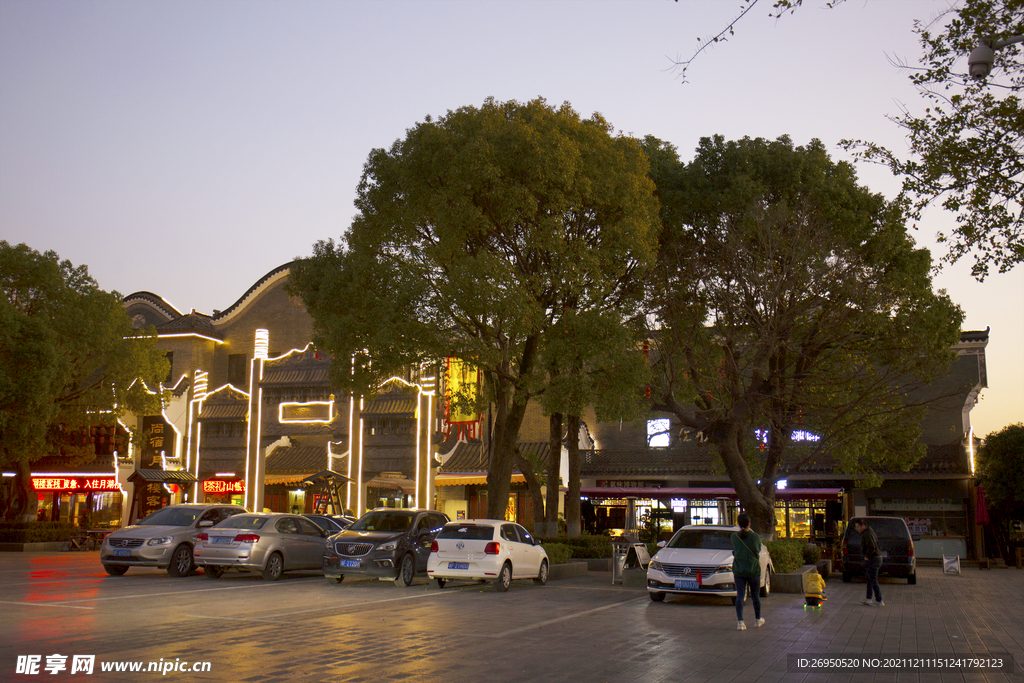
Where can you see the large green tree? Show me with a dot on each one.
(787, 298)
(964, 148)
(475, 232)
(69, 359)
(1000, 471)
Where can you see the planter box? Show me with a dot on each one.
(792, 582)
(567, 570)
(598, 564)
(38, 547)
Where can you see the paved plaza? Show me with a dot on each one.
(580, 629)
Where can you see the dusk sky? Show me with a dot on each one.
(187, 148)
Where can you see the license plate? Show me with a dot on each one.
(458, 565)
(686, 585)
(349, 563)
(121, 552)
(222, 539)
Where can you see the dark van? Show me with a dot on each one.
(895, 542)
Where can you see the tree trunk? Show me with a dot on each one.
(572, 498)
(553, 471)
(533, 486)
(25, 502)
(759, 505)
(507, 421)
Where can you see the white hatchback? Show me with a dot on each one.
(486, 550)
(697, 560)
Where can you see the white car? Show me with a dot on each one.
(697, 560)
(486, 550)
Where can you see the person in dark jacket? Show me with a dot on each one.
(872, 561)
(746, 570)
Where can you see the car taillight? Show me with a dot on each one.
(203, 537)
(911, 554)
(433, 546)
(492, 548)
(846, 550)
(247, 538)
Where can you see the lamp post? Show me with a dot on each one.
(981, 58)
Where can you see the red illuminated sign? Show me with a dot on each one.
(75, 484)
(221, 486)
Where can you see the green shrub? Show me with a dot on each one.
(585, 546)
(558, 553)
(35, 532)
(787, 554)
(812, 554)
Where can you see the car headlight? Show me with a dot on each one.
(655, 565)
(724, 568)
(390, 545)
(163, 540)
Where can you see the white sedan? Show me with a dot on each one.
(697, 560)
(486, 550)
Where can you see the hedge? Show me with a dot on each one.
(787, 554)
(585, 546)
(558, 553)
(35, 532)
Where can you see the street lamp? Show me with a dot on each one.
(980, 60)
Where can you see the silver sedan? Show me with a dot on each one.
(268, 542)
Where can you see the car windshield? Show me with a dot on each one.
(243, 522)
(711, 539)
(171, 517)
(383, 521)
(469, 532)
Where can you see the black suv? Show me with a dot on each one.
(390, 543)
(895, 542)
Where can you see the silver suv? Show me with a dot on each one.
(163, 539)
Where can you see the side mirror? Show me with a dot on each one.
(662, 544)
(915, 538)
(203, 523)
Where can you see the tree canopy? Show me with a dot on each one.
(964, 149)
(999, 470)
(69, 359)
(477, 232)
(787, 298)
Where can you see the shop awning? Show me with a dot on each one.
(271, 479)
(165, 476)
(668, 492)
(470, 478)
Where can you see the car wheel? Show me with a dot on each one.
(335, 579)
(846, 577)
(440, 582)
(274, 568)
(181, 561)
(766, 589)
(657, 597)
(505, 577)
(115, 569)
(406, 571)
(542, 577)
(213, 572)
(912, 579)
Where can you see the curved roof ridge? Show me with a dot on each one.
(221, 315)
(154, 299)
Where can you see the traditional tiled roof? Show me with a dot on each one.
(289, 459)
(213, 460)
(301, 368)
(392, 406)
(153, 300)
(230, 412)
(471, 456)
(192, 323)
(650, 461)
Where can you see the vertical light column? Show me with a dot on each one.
(424, 440)
(255, 457)
(195, 409)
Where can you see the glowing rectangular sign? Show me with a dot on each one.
(75, 484)
(221, 486)
(311, 411)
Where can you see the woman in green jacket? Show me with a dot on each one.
(746, 569)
